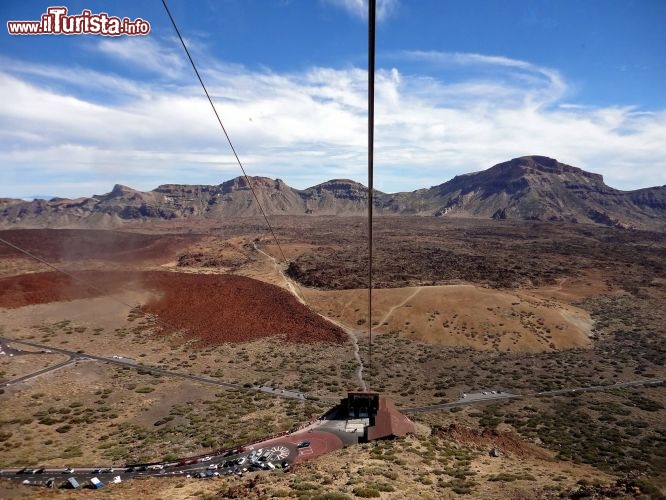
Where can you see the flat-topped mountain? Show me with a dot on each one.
(541, 188)
(530, 187)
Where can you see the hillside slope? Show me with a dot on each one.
(528, 188)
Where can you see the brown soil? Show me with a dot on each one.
(73, 245)
(462, 315)
(46, 287)
(228, 308)
(505, 442)
(210, 308)
(415, 251)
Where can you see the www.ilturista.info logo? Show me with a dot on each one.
(56, 22)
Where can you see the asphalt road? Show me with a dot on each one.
(6, 350)
(157, 371)
(38, 373)
(461, 402)
(594, 388)
(195, 466)
(506, 396)
(192, 467)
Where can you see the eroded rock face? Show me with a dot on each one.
(528, 188)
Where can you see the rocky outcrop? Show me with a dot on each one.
(528, 188)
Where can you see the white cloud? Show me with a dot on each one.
(359, 8)
(519, 77)
(76, 76)
(144, 53)
(310, 126)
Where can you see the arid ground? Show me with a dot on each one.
(460, 306)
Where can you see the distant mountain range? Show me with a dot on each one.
(528, 188)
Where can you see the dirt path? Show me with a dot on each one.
(352, 334)
(390, 311)
(290, 286)
(357, 355)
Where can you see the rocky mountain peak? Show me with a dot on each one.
(240, 184)
(527, 188)
(545, 165)
(120, 190)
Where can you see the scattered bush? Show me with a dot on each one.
(365, 492)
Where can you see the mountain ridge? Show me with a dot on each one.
(526, 188)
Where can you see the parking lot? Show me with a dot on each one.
(274, 456)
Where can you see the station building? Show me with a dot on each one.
(375, 416)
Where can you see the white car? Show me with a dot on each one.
(207, 458)
(212, 466)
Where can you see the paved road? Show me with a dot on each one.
(280, 455)
(507, 396)
(594, 388)
(39, 372)
(462, 402)
(158, 371)
(6, 350)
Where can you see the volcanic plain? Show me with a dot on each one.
(460, 306)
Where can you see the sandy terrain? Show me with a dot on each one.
(72, 245)
(25, 364)
(416, 467)
(209, 308)
(480, 305)
(462, 315)
(95, 413)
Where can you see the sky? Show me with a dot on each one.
(461, 85)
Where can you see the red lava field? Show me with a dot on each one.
(42, 288)
(211, 308)
(81, 244)
(228, 308)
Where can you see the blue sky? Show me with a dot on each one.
(461, 85)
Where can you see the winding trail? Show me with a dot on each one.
(390, 311)
(278, 268)
(357, 355)
(352, 334)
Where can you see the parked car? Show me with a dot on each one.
(212, 466)
(303, 444)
